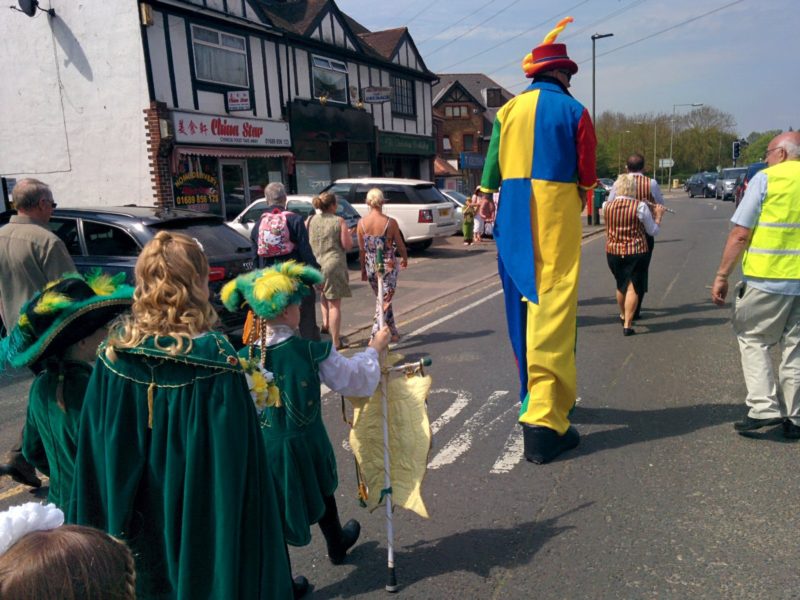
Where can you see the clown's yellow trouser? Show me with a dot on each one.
(543, 335)
(550, 356)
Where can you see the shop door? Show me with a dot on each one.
(235, 191)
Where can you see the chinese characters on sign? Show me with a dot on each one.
(196, 128)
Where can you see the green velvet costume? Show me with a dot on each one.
(170, 460)
(299, 451)
(50, 437)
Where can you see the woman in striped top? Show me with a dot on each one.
(627, 220)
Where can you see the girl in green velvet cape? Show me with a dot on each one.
(170, 457)
(57, 334)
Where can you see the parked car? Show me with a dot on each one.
(112, 237)
(702, 184)
(606, 183)
(421, 210)
(459, 201)
(298, 204)
(726, 180)
(741, 185)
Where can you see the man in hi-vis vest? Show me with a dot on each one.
(767, 303)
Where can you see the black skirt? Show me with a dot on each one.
(629, 269)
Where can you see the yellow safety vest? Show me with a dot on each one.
(774, 251)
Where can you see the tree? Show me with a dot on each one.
(757, 147)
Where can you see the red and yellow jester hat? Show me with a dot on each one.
(549, 56)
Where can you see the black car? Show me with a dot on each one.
(702, 184)
(112, 237)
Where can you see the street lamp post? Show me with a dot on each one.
(595, 37)
(619, 150)
(672, 135)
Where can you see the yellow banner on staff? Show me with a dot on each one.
(409, 441)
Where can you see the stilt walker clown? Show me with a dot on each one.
(542, 159)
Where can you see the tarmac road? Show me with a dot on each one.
(661, 500)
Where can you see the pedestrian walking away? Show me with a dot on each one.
(30, 256)
(766, 305)
(377, 231)
(542, 151)
(282, 235)
(59, 332)
(330, 240)
(285, 377)
(628, 221)
(647, 191)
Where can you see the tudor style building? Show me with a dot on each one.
(234, 94)
(467, 104)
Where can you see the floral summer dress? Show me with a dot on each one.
(371, 245)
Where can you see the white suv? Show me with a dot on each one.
(420, 209)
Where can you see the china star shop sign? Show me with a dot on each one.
(195, 128)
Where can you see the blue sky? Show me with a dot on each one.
(742, 59)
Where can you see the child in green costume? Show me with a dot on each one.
(170, 457)
(286, 372)
(57, 334)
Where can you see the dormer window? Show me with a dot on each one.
(494, 98)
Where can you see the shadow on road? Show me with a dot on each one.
(475, 551)
(654, 320)
(636, 426)
(441, 338)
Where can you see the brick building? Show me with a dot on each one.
(464, 107)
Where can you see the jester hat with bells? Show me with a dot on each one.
(549, 56)
(64, 312)
(268, 292)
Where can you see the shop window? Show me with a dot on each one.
(403, 96)
(469, 142)
(330, 79)
(219, 57)
(107, 240)
(197, 184)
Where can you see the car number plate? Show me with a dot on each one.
(247, 266)
(444, 212)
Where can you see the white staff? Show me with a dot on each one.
(391, 582)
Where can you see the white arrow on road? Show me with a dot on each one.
(463, 441)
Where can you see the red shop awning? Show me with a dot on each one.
(225, 152)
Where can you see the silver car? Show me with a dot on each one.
(459, 202)
(298, 204)
(726, 182)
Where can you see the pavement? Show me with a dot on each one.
(441, 271)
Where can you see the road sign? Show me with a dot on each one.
(665, 163)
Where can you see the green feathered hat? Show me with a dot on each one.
(270, 291)
(63, 313)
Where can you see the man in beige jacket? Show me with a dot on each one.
(30, 256)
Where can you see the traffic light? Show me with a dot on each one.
(737, 147)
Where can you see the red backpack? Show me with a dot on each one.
(273, 234)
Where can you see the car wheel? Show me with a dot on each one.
(691, 193)
(422, 245)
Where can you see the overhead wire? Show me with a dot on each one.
(461, 20)
(471, 29)
(649, 36)
(513, 37)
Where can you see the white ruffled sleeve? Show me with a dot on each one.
(357, 376)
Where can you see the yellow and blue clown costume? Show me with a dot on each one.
(542, 158)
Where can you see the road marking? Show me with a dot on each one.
(452, 315)
(462, 399)
(19, 489)
(512, 452)
(463, 441)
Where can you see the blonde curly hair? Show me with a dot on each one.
(171, 296)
